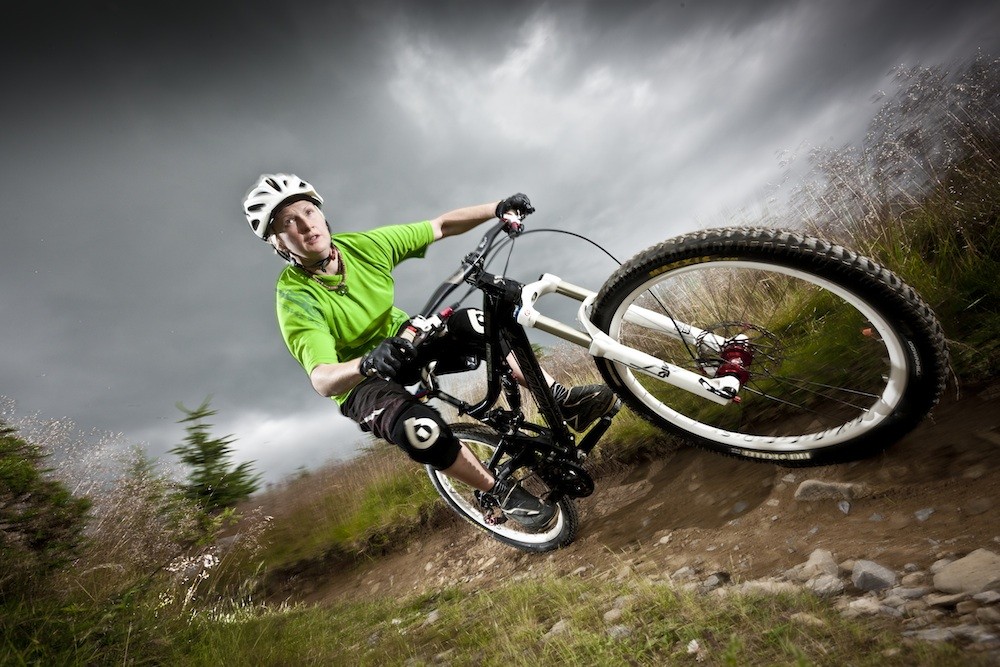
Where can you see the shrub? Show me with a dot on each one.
(922, 197)
(41, 522)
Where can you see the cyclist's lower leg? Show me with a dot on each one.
(469, 470)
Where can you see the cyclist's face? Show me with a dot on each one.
(300, 229)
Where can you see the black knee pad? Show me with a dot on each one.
(425, 437)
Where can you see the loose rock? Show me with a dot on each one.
(807, 619)
(940, 564)
(815, 489)
(862, 607)
(826, 585)
(561, 627)
(988, 615)
(820, 562)
(939, 600)
(716, 580)
(931, 634)
(976, 573)
(911, 593)
(619, 631)
(870, 576)
(987, 597)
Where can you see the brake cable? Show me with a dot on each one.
(663, 306)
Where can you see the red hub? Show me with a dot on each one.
(736, 358)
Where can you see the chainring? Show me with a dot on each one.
(567, 478)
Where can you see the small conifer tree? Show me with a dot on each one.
(212, 482)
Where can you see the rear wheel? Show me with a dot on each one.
(841, 358)
(461, 498)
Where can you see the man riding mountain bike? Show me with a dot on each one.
(336, 314)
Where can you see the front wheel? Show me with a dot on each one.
(460, 497)
(839, 358)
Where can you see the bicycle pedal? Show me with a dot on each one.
(494, 517)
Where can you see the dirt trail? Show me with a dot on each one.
(718, 514)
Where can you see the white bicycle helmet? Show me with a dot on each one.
(272, 192)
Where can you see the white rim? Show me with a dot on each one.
(881, 408)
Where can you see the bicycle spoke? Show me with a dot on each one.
(800, 387)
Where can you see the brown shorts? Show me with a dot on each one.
(375, 404)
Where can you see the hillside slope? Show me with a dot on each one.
(932, 495)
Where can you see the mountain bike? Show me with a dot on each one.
(766, 345)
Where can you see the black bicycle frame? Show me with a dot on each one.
(526, 443)
(501, 298)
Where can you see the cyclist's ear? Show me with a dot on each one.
(279, 248)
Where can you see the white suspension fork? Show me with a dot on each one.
(721, 390)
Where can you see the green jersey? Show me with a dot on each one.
(321, 326)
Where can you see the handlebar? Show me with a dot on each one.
(510, 224)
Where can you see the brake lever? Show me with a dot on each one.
(421, 327)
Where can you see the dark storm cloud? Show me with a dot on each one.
(106, 39)
(131, 131)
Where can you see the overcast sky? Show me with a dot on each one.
(131, 281)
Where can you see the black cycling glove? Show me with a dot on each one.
(518, 203)
(390, 357)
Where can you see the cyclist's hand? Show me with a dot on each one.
(387, 360)
(518, 203)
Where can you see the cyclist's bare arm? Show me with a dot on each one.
(462, 220)
(334, 379)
